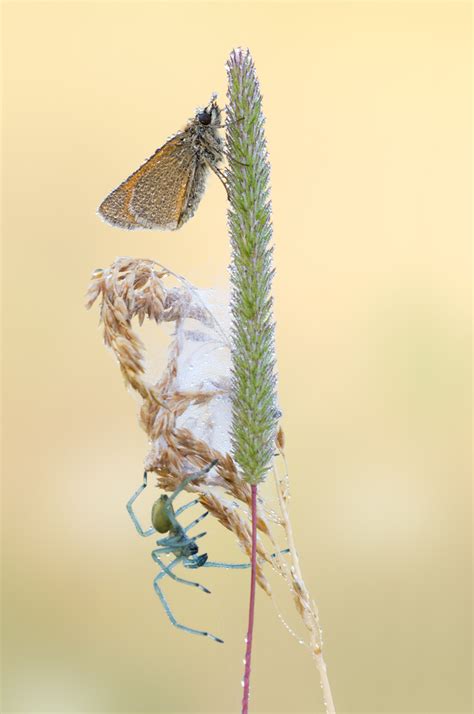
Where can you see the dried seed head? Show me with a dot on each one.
(185, 425)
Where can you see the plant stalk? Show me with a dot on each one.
(253, 583)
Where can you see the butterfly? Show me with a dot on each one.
(166, 190)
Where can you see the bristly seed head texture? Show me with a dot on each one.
(254, 407)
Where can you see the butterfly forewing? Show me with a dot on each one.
(161, 193)
(153, 196)
(166, 190)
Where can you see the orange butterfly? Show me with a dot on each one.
(166, 190)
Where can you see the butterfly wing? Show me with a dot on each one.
(161, 194)
(154, 196)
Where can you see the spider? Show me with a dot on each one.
(178, 542)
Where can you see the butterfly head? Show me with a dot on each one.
(210, 115)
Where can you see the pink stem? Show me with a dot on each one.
(253, 581)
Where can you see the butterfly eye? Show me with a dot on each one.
(204, 118)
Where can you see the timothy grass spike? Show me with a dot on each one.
(254, 408)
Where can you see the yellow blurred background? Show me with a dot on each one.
(368, 127)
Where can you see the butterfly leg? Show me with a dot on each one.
(241, 163)
(229, 123)
(220, 175)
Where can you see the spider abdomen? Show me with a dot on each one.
(160, 516)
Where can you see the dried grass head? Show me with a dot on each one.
(186, 411)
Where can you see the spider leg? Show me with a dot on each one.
(191, 477)
(199, 535)
(195, 561)
(175, 541)
(232, 566)
(228, 566)
(168, 571)
(196, 521)
(132, 515)
(280, 552)
(167, 608)
(186, 505)
(165, 549)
